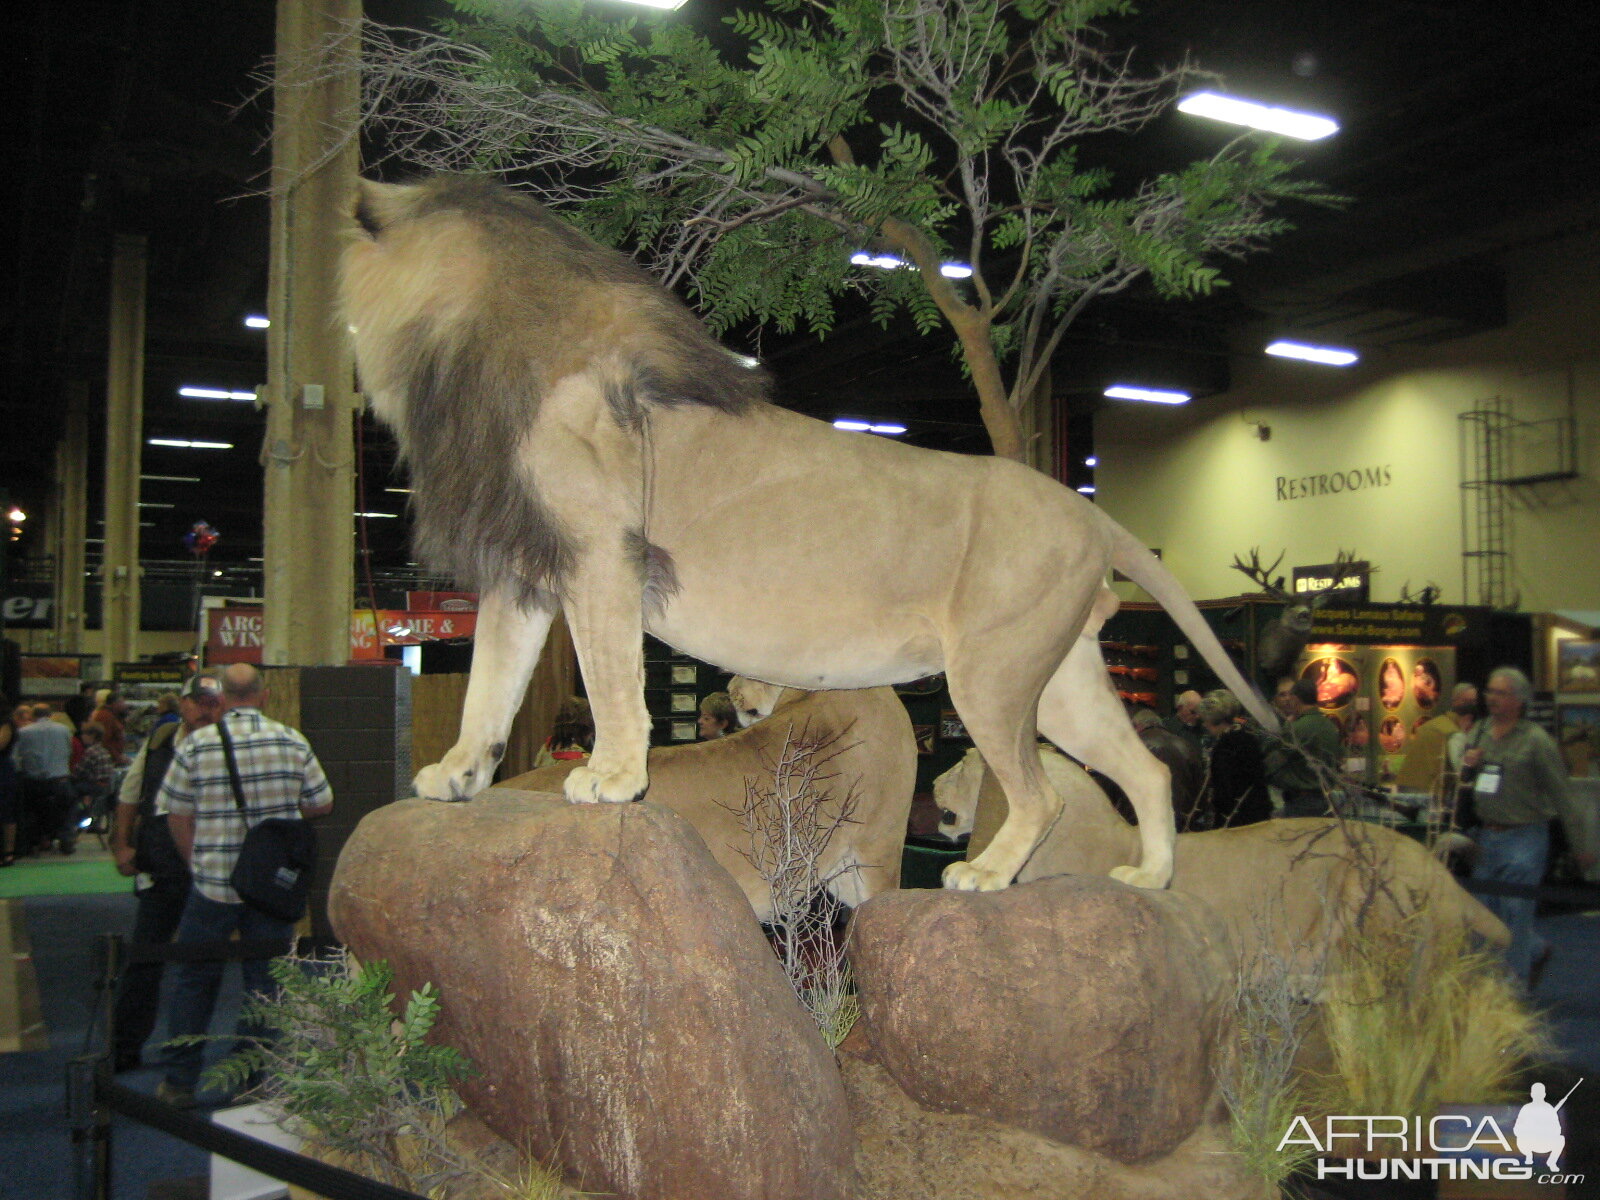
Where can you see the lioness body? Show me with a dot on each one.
(538, 383)
(871, 756)
(1303, 884)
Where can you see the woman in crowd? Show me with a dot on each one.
(1236, 780)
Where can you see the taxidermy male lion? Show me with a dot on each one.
(578, 441)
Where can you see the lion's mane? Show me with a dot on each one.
(552, 304)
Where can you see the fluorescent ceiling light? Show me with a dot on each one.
(172, 478)
(1328, 356)
(155, 504)
(1091, 461)
(1235, 111)
(888, 262)
(375, 514)
(255, 322)
(399, 491)
(1153, 395)
(181, 444)
(745, 360)
(887, 428)
(201, 393)
(1087, 489)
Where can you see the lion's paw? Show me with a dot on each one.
(444, 782)
(969, 877)
(1142, 877)
(586, 785)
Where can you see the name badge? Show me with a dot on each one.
(1488, 781)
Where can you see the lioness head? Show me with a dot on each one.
(956, 794)
(753, 700)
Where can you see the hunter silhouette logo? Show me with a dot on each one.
(1538, 1127)
(1462, 1142)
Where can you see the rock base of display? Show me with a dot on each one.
(627, 1016)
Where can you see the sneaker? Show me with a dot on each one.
(176, 1096)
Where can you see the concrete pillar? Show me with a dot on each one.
(309, 553)
(69, 526)
(119, 572)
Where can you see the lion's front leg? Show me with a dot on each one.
(604, 612)
(507, 644)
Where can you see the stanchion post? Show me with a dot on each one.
(88, 1076)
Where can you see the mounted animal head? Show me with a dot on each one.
(1282, 640)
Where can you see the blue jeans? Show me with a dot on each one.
(195, 984)
(1515, 855)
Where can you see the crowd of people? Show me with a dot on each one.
(58, 770)
(1484, 767)
(177, 814)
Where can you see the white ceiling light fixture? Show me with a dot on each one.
(204, 393)
(185, 444)
(1235, 110)
(257, 322)
(172, 478)
(886, 428)
(155, 504)
(888, 262)
(1328, 356)
(1091, 461)
(1123, 391)
(399, 491)
(377, 514)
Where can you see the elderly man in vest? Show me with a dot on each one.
(143, 849)
(280, 777)
(1518, 784)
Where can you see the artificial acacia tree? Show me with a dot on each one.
(745, 170)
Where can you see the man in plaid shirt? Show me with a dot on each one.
(280, 777)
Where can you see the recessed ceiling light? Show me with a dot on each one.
(1235, 110)
(205, 393)
(183, 444)
(257, 322)
(1152, 395)
(1328, 356)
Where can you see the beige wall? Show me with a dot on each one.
(1196, 482)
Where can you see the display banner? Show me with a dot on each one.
(126, 673)
(450, 602)
(1402, 624)
(234, 634)
(28, 605)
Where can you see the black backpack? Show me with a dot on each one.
(154, 851)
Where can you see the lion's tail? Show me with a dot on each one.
(1130, 557)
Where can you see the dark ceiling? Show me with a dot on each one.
(1465, 128)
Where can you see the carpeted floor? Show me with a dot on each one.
(89, 872)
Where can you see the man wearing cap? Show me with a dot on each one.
(279, 777)
(161, 876)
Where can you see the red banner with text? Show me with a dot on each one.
(234, 634)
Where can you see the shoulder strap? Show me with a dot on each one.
(233, 763)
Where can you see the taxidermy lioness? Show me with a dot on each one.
(577, 440)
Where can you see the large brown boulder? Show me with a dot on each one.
(612, 986)
(904, 1150)
(1077, 1008)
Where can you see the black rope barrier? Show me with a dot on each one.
(333, 1183)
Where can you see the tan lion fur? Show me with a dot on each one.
(875, 756)
(1307, 883)
(577, 439)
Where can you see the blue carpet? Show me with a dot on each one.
(36, 1159)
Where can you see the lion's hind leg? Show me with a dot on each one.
(1081, 714)
(1000, 716)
